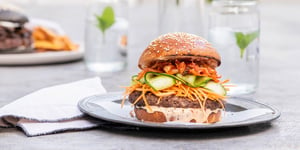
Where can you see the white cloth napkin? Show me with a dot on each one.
(53, 109)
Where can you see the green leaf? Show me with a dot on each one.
(243, 40)
(106, 20)
(177, 2)
(209, 1)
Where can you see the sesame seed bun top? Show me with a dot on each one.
(180, 46)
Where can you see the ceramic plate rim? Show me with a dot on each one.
(81, 105)
(35, 58)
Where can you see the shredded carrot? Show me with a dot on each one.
(129, 90)
(182, 68)
(145, 99)
(144, 71)
(225, 81)
(201, 71)
(138, 99)
(170, 69)
(179, 89)
(158, 101)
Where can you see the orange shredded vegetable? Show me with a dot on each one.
(179, 89)
(182, 68)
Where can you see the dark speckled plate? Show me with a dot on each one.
(239, 112)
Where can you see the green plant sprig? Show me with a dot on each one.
(177, 2)
(243, 40)
(106, 20)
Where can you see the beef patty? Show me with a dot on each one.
(171, 101)
(11, 38)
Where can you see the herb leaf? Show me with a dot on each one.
(209, 1)
(177, 2)
(243, 40)
(106, 20)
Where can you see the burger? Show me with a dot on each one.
(14, 37)
(178, 81)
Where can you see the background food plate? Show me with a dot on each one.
(47, 57)
(239, 112)
(41, 57)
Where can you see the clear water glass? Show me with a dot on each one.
(106, 52)
(181, 16)
(234, 27)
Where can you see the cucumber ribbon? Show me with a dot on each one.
(160, 81)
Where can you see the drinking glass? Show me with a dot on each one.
(106, 35)
(181, 16)
(234, 27)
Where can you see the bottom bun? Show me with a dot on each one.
(166, 114)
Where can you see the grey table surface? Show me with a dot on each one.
(279, 80)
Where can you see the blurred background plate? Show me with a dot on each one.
(41, 57)
(47, 57)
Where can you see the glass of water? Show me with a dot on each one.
(181, 16)
(234, 27)
(106, 36)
